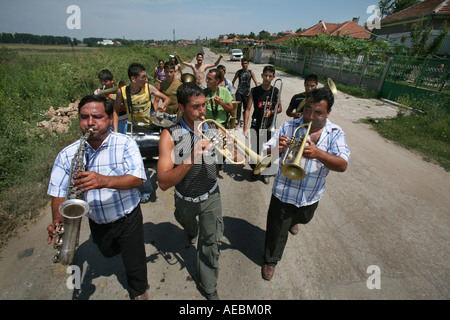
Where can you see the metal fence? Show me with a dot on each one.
(414, 75)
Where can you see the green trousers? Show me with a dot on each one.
(209, 226)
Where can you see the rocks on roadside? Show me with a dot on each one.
(60, 118)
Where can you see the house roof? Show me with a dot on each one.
(355, 30)
(426, 7)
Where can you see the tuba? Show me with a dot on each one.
(114, 89)
(218, 135)
(72, 209)
(294, 151)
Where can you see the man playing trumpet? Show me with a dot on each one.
(188, 163)
(295, 201)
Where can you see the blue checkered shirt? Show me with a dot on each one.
(309, 190)
(117, 156)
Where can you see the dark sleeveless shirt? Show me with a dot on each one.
(202, 176)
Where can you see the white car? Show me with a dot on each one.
(236, 54)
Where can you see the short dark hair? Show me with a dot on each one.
(200, 54)
(109, 106)
(312, 77)
(134, 69)
(169, 65)
(244, 59)
(271, 69)
(218, 73)
(221, 67)
(188, 90)
(320, 94)
(105, 75)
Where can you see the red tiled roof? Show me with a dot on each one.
(355, 31)
(420, 9)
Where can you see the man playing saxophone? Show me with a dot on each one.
(114, 171)
(295, 201)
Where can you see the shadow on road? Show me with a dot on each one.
(97, 266)
(244, 237)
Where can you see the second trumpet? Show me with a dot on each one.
(218, 136)
(291, 161)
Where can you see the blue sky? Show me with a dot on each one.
(191, 19)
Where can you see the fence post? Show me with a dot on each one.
(363, 71)
(385, 72)
(340, 68)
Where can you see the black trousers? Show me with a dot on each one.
(125, 236)
(280, 217)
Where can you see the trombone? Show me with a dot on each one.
(294, 152)
(264, 121)
(218, 135)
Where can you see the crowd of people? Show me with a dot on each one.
(188, 162)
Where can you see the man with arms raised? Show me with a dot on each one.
(199, 69)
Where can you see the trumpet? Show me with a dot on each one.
(294, 151)
(218, 136)
(114, 89)
(264, 121)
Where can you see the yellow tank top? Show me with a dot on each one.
(170, 90)
(142, 105)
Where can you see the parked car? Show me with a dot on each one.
(236, 54)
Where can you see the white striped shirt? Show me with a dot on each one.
(118, 155)
(309, 190)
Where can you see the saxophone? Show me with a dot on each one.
(72, 209)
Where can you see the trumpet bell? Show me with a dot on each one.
(262, 164)
(330, 85)
(188, 77)
(73, 208)
(293, 171)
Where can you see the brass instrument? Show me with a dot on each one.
(231, 117)
(266, 109)
(218, 135)
(114, 89)
(330, 85)
(264, 117)
(72, 209)
(188, 77)
(294, 152)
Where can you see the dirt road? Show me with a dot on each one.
(382, 224)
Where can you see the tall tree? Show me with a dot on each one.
(389, 7)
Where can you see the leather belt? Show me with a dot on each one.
(200, 198)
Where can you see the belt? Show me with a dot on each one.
(200, 198)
